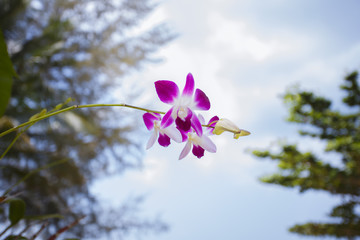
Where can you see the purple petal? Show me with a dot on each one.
(189, 86)
(164, 140)
(195, 123)
(198, 151)
(183, 134)
(149, 119)
(167, 119)
(167, 91)
(152, 140)
(212, 123)
(185, 151)
(201, 100)
(184, 125)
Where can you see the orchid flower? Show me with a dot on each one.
(199, 143)
(181, 124)
(183, 106)
(165, 132)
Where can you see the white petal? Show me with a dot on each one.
(201, 119)
(173, 133)
(174, 111)
(152, 139)
(206, 143)
(185, 151)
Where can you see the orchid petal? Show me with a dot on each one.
(201, 101)
(186, 150)
(206, 143)
(167, 91)
(195, 123)
(149, 119)
(173, 133)
(167, 119)
(213, 121)
(152, 140)
(212, 124)
(201, 119)
(164, 140)
(189, 86)
(185, 125)
(183, 134)
(198, 151)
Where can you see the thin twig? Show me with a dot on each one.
(40, 230)
(5, 230)
(61, 230)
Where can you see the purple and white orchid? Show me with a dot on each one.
(184, 105)
(200, 143)
(181, 124)
(153, 122)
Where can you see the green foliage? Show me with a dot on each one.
(304, 170)
(7, 73)
(13, 237)
(16, 210)
(337, 230)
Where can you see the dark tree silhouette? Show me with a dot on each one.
(304, 170)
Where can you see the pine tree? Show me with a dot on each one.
(340, 130)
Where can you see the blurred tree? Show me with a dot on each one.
(341, 132)
(80, 49)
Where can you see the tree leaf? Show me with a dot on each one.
(7, 72)
(16, 210)
(15, 237)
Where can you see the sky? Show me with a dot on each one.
(244, 55)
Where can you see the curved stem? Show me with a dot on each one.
(72, 108)
(209, 126)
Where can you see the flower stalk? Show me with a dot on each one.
(180, 123)
(32, 121)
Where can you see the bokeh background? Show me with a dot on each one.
(244, 54)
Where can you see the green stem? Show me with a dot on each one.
(14, 140)
(72, 108)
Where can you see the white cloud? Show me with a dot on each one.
(230, 37)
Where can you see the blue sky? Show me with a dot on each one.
(243, 55)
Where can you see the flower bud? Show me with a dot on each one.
(226, 125)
